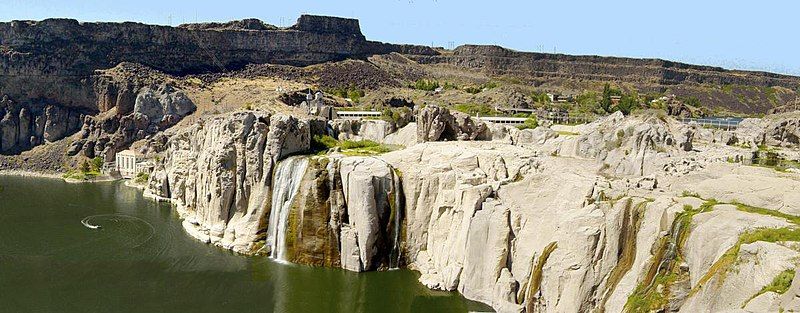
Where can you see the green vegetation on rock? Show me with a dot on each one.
(141, 178)
(780, 284)
(85, 170)
(323, 143)
(426, 84)
(476, 109)
(530, 123)
(794, 219)
(663, 269)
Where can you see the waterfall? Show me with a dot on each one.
(285, 183)
(396, 196)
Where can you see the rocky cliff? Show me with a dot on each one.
(71, 69)
(502, 61)
(60, 54)
(600, 219)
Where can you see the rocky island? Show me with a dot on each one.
(530, 182)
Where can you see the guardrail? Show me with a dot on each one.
(726, 124)
(556, 118)
(354, 115)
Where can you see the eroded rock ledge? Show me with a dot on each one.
(614, 217)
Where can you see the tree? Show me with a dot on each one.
(627, 104)
(85, 166)
(605, 101)
(693, 101)
(530, 123)
(97, 164)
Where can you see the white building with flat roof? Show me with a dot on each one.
(128, 163)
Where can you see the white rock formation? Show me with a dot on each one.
(531, 221)
(218, 173)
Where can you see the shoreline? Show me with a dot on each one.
(24, 173)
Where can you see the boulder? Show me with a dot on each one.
(436, 123)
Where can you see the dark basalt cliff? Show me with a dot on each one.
(501, 61)
(59, 65)
(51, 59)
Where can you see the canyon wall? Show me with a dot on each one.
(502, 61)
(52, 59)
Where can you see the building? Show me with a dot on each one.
(129, 163)
(554, 97)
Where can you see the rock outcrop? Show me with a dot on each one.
(374, 130)
(436, 123)
(629, 146)
(218, 173)
(154, 109)
(23, 127)
(502, 223)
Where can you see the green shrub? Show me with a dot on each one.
(142, 178)
(350, 144)
(540, 97)
(693, 101)
(323, 142)
(426, 84)
(476, 109)
(352, 92)
(530, 123)
(97, 164)
(85, 167)
(628, 104)
(473, 89)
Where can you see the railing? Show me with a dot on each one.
(354, 115)
(503, 120)
(109, 167)
(727, 124)
(556, 118)
(565, 118)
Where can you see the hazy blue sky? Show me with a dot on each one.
(758, 35)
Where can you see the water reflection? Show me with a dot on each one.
(142, 261)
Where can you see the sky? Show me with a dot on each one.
(753, 35)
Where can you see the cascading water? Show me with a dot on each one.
(285, 184)
(394, 261)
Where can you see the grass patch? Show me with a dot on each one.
(80, 175)
(725, 262)
(566, 133)
(476, 109)
(349, 147)
(794, 219)
(350, 144)
(323, 142)
(780, 284)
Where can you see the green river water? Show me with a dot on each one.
(141, 260)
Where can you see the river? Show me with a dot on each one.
(141, 260)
